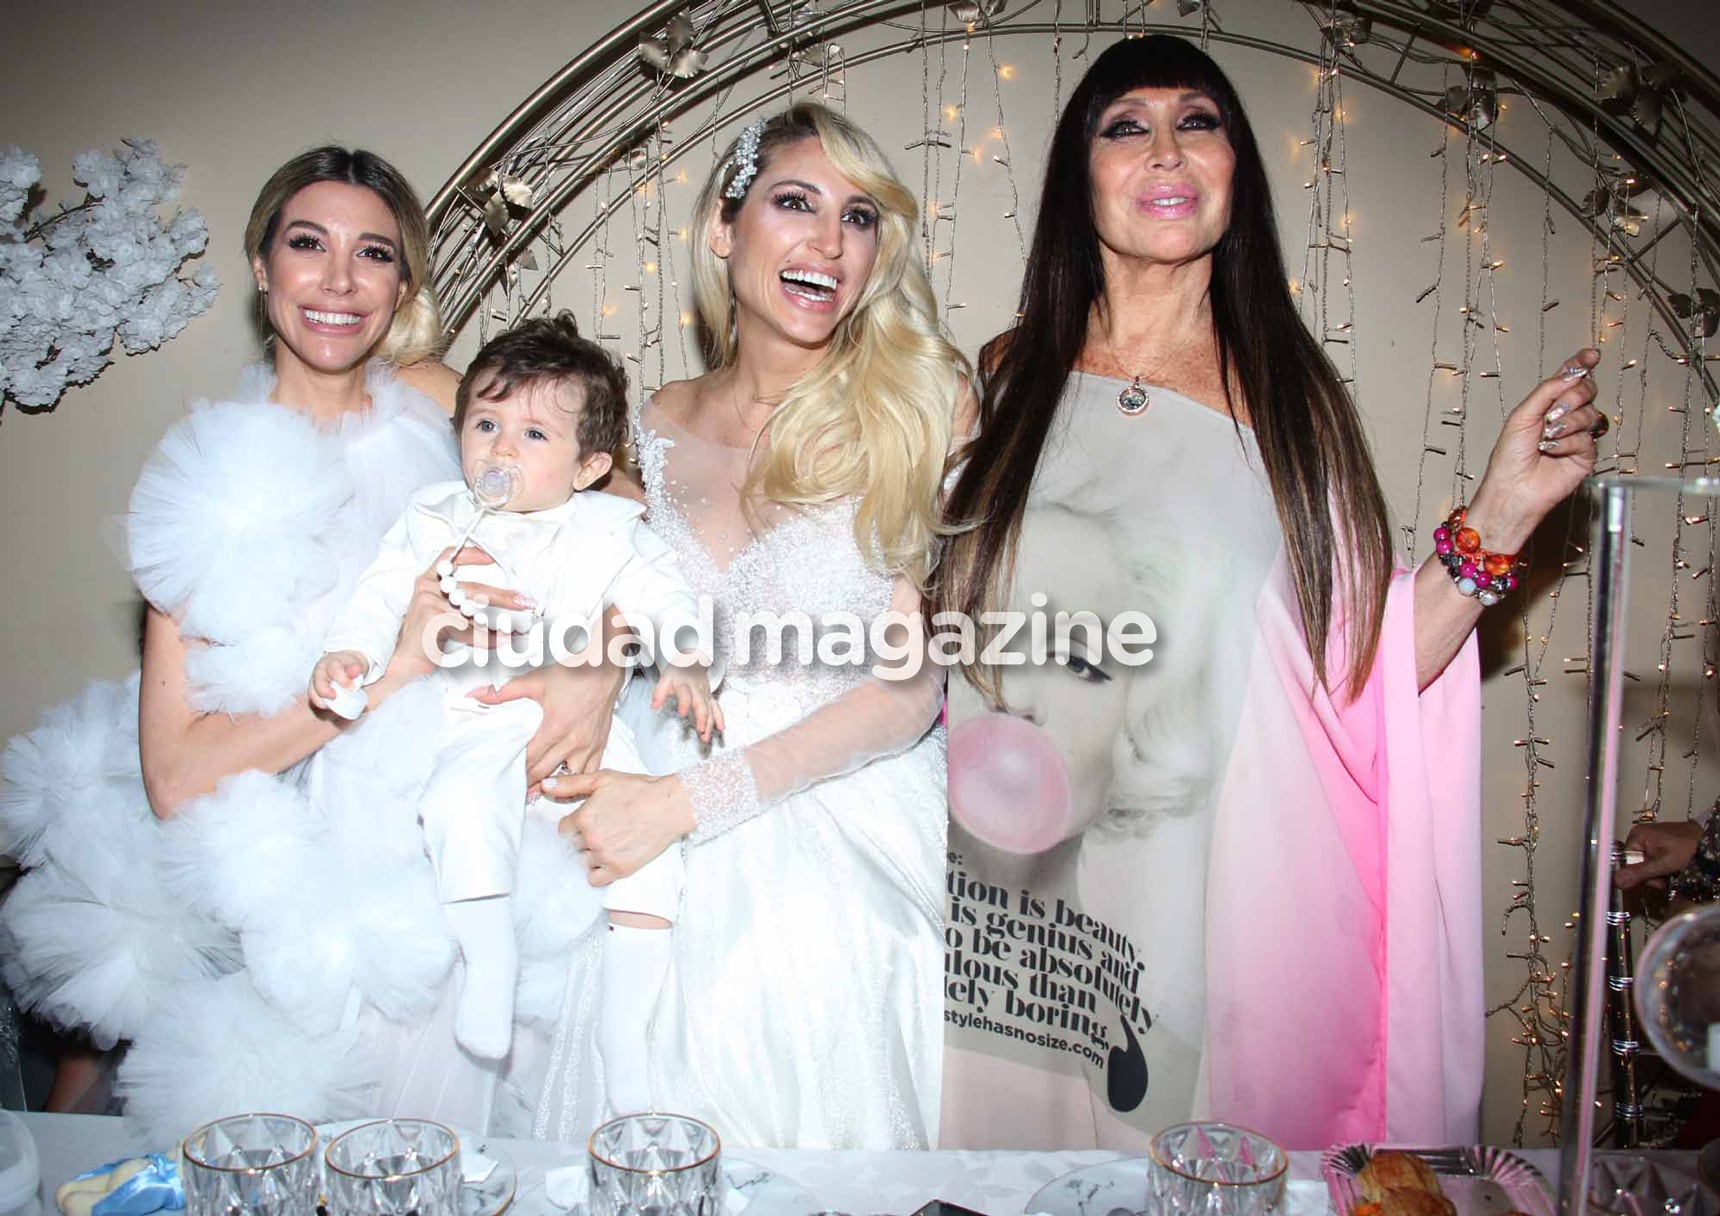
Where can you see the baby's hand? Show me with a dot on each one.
(335, 672)
(691, 688)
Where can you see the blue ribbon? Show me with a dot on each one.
(154, 1188)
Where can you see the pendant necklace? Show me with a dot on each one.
(1134, 398)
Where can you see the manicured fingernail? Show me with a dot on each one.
(549, 783)
(525, 601)
(1574, 373)
(1553, 430)
(1547, 445)
(1558, 412)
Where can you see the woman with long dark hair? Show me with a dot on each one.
(1249, 868)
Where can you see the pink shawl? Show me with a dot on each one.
(1343, 945)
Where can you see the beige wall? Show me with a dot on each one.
(232, 90)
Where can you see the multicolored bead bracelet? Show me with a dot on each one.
(1486, 576)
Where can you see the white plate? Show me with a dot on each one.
(767, 1194)
(490, 1197)
(1119, 1188)
(1096, 1190)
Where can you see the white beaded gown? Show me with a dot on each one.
(805, 1003)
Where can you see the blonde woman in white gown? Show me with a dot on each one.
(802, 474)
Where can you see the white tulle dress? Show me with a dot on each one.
(805, 1003)
(279, 944)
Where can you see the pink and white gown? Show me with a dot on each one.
(1267, 908)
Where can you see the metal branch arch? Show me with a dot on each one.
(1628, 112)
(1609, 87)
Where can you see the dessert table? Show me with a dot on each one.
(995, 1183)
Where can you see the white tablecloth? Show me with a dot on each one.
(998, 1184)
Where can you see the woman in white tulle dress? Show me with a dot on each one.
(801, 476)
(217, 874)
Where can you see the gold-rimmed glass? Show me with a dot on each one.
(1215, 1169)
(251, 1165)
(663, 1165)
(394, 1167)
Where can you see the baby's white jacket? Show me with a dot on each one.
(576, 559)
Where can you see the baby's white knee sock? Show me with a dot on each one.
(635, 962)
(484, 1017)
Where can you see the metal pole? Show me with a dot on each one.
(1621, 1017)
(1609, 563)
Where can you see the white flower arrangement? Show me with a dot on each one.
(106, 266)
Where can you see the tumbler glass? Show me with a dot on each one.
(394, 1167)
(655, 1165)
(251, 1165)
(1215, 1169)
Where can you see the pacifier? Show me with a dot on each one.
(495, 485)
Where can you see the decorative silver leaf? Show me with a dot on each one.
(496, 215)
(673, 54)
(680, 32)
(1628, 219)
(655, 52)
(976, 12)
(514, 191)
(1618, 89)
(1703, 312)
(1475, 104)
(1646, 112)
(1349, 29)
(687, 63)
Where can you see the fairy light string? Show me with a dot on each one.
(1619, 313)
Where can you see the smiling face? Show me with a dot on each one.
(535, 429)
(332, 276)
(800, 248)
(1161, 169)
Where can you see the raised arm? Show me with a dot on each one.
(1544, 452)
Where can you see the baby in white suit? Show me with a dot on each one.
(538, 414)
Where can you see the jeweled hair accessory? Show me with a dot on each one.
(745, 160)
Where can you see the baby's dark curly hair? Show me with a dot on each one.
(551, 349)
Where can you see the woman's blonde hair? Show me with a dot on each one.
(416, 333)
(872, 419)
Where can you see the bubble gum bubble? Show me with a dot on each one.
(1008, 784)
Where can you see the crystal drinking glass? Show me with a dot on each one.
(664, 1165)
(1215, 1169)
(251, 1165)
(394, 1167)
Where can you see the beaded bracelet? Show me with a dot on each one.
(1486, 576)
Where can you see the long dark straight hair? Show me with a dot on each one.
(1311, 439)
